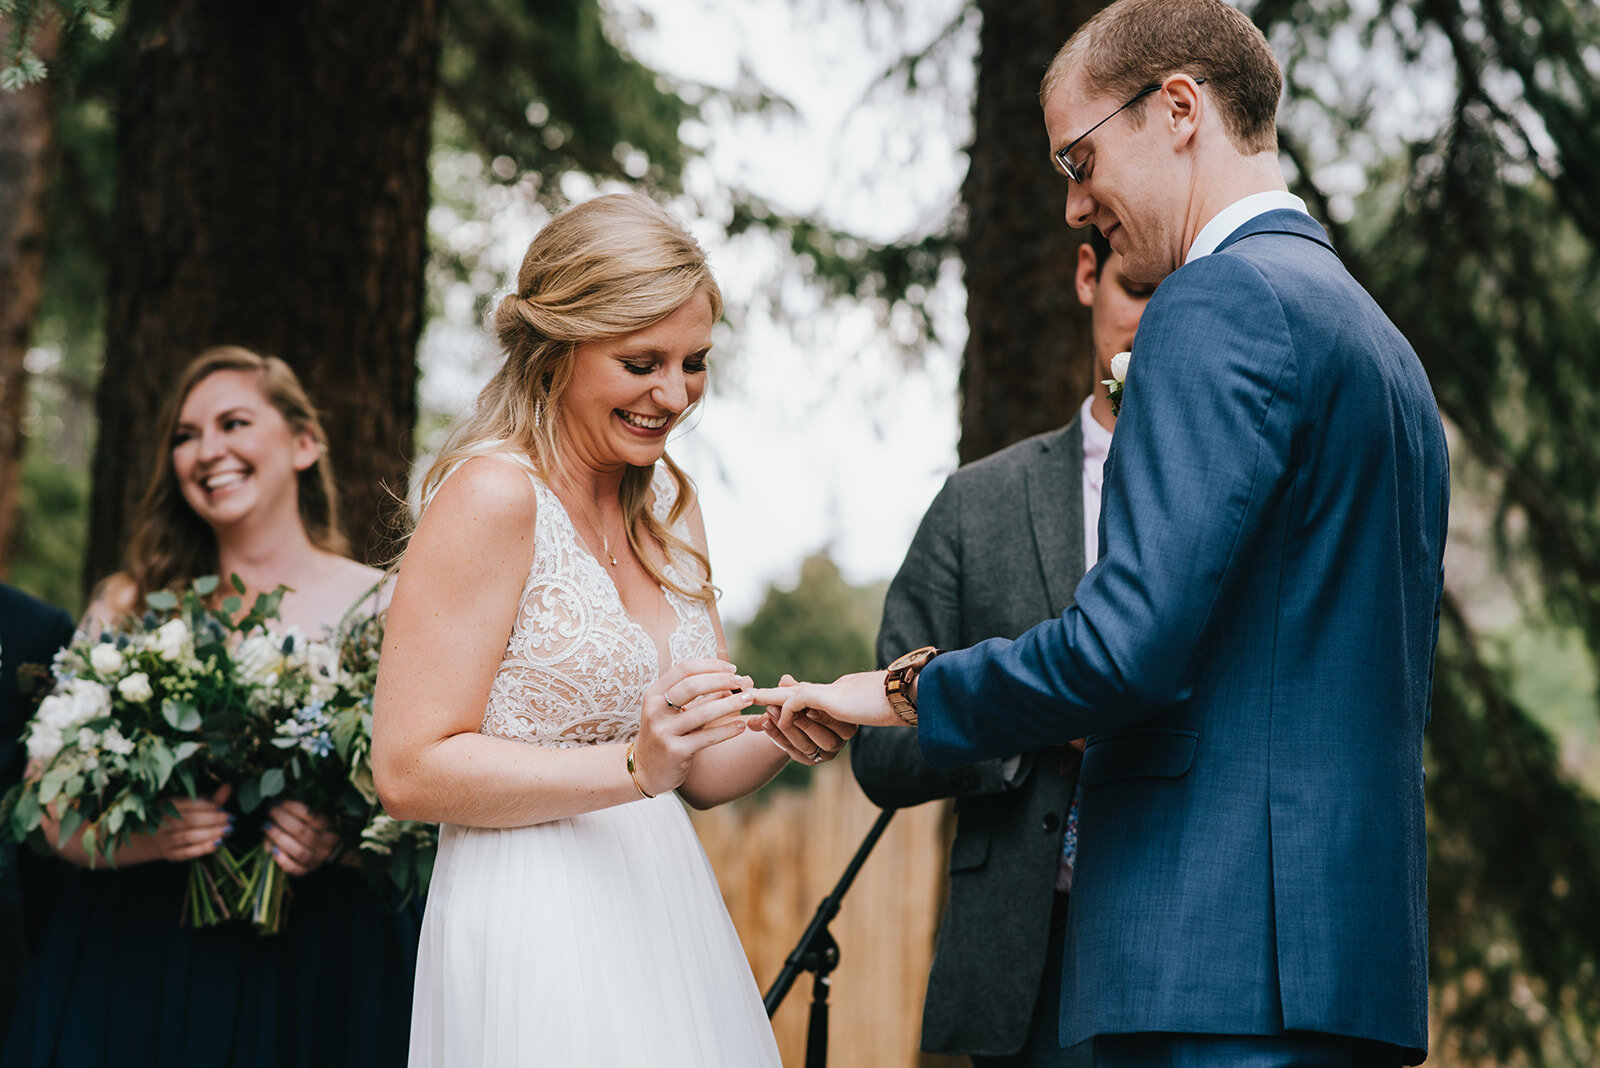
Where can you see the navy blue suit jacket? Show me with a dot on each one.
(1251, 660)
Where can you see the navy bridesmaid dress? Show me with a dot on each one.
(119, 983)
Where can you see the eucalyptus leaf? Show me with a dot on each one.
(249, 795)
(180, 715)
(238, 583)
(161, 600)
(50, 785)
(26, 815)
(71, 820)
(272, 782)
(162, 761)
(205, 585)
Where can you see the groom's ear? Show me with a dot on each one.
(1182, 108)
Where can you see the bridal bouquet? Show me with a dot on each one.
(135, 716)
(190, 697)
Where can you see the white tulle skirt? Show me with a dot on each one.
(599, 940)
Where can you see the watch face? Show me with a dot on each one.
(905, 660)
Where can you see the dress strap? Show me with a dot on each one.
(370, 598)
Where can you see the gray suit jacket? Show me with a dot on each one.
(1000, 549)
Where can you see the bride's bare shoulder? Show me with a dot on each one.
(486, 487)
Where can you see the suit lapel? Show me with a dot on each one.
(1055, 508)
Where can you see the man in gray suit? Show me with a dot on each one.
(1001, 548)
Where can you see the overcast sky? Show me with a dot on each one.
(817, 431)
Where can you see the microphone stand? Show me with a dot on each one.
(818, 953)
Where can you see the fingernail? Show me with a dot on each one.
(218, 842)
(813, 714)
(226, 831)
(274, 850)
(266, 824)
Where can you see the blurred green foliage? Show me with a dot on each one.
(816, 630)
(50, 539)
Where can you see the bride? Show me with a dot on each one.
(554, 671)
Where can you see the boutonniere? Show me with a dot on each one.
(1119, 372)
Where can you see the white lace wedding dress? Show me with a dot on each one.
(599, 940)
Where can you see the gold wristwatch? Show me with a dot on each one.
(902, 673)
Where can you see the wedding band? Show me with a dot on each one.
(668, 700)
(816, 757)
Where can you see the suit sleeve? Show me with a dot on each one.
(1202, 447)
(922, 607)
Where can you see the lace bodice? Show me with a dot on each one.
(577, 665)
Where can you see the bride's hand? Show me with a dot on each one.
(811, 737)
(695, 705)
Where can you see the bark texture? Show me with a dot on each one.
(27, 153)
(272, 191)
(1028, 357)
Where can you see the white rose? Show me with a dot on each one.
(55, 711)
(136, 688)
(113, 742)
(105, 659)
(44, 741)
(257, 658)
(171, 639)
(1119, 366)
(90, 700)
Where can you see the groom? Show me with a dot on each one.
(1251, 658)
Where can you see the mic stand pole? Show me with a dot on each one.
(818, 953)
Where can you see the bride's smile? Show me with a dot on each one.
(627, 393)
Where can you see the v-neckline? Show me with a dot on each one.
(663, 656)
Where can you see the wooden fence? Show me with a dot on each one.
(779, 853)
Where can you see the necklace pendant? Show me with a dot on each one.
(612, 558)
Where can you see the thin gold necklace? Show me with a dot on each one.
(593, 520)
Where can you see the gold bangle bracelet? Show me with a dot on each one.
(633, 773)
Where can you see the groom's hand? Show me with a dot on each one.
(857, 698)
(812, 738)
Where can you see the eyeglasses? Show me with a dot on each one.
(1074, 170)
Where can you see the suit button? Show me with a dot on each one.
(1051, 821)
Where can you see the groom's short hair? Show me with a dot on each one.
(1134, 43)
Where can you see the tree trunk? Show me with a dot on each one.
(272, 191)
(1028, 360)
(27, 150)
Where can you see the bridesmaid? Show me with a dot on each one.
(242, 487)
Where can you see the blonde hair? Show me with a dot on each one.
(171, 545)
(608, 267)
(1134, 43)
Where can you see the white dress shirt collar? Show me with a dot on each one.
(1096, 444)
(1236, 215)
(1096, 438)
